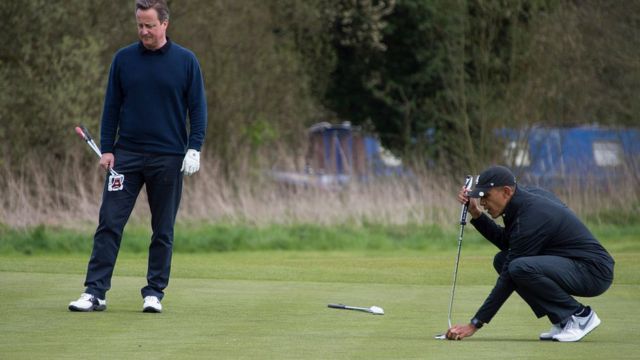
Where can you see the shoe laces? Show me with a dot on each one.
(86, 297)
(572, 324)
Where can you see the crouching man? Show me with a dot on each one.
(547, 255)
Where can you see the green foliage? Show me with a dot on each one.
(51, 75)
(260, 134)
(433, 78)
(225, 238)
(42, 239)
(451, 72)
(617, 216)
(306, 28)
(256, 85)
(57, 53)
(580, 65)
(220, 238)
(436, 89)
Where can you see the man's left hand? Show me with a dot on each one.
(459, 332)
(191, 162)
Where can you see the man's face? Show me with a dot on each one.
(151, 31)
(496, 200)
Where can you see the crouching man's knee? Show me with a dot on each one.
(498, 261)
(521, 269)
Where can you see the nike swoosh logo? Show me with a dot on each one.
(581, 326)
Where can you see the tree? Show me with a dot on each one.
(51, 74)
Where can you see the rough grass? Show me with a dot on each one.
(71, 199)
(272, 305)
(197, 238)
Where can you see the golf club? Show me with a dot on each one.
(375, 310)
(468, 181)
(116, 181)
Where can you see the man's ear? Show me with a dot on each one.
(508, 191)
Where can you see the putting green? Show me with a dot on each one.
(273, 305)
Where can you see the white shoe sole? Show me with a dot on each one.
(548, 336)
(92, 308)
(151, 309)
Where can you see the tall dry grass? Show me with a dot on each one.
(69, 195)
(260, 200)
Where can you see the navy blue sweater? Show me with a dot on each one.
(148, 98)
(537, 223)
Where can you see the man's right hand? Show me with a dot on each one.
(459, 332)
(107, 161)
(474, 209)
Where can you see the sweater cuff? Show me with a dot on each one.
(480, 219)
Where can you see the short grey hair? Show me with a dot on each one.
(160, 5)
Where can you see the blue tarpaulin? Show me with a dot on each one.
(586, 155)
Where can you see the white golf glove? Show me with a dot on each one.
(191, 162)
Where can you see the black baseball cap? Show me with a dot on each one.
(490, 178)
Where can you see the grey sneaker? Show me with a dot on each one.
(151, 304)
(578, 327)
(555, 330)
(88, 302)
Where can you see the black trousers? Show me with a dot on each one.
(163, 179)
(548, 283)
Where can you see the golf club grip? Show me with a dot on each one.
(468, 182)
(80, 133)
(337, 306)
(86, 133)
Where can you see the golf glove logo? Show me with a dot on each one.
(191, 162)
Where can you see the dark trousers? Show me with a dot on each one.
(548, 283)
(163, 179)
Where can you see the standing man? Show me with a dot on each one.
(153, 85)
(547, 256)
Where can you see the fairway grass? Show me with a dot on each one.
(273, 305)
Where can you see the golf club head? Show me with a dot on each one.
(440, 337)
(376, 310)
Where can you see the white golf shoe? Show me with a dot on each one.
(88, 302)
(578, 327)
(151, 305)
(555, 330)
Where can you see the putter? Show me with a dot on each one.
(468, 181)
(116, 181)
(375, 310)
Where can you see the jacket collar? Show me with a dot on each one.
(514, 204)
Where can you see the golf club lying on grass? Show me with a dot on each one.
(468, 181)
(375, 310)
(116, 181)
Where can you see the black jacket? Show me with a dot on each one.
(537, 223)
